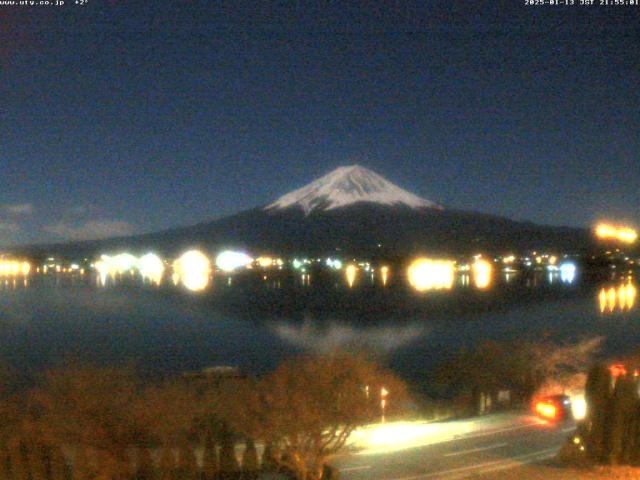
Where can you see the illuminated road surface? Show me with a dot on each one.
(452, 450)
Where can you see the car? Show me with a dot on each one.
(553, 407)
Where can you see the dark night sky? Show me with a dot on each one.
(128, 116)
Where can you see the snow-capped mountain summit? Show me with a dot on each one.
(346, 186)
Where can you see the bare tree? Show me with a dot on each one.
(312, 405)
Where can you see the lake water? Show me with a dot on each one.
(49, 321)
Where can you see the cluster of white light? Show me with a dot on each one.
(568, 272)
(334, 263)
(150, 266)
(429, 274)
(300, 264)
(230, 260)
(193, 270)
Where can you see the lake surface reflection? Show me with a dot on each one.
(47, 320)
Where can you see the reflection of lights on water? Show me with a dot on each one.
(105, 269)
(109, 266)
(193, 269)
(567, 272)
(621, 233)
(384, 273)
(482, 273)
(428, 274)
(229, 260)
(151, 268)
(351, 272)
(622, 298)
(611, 298)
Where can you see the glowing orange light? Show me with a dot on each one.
(611, 299)
(622, 297)
(351, 272)
(265, 262)
(617, 370)
(14, 268)
(624, 234)
(509, 260)
(631, 295)
(546, 410)
(384, 272)
(428, 274)
(482, 273)
(602, 297)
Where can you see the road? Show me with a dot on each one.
(453, 450)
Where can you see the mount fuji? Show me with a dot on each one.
(353, 211)
(347, 186)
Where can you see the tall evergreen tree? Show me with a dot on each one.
(622, 423)
(598, 397)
